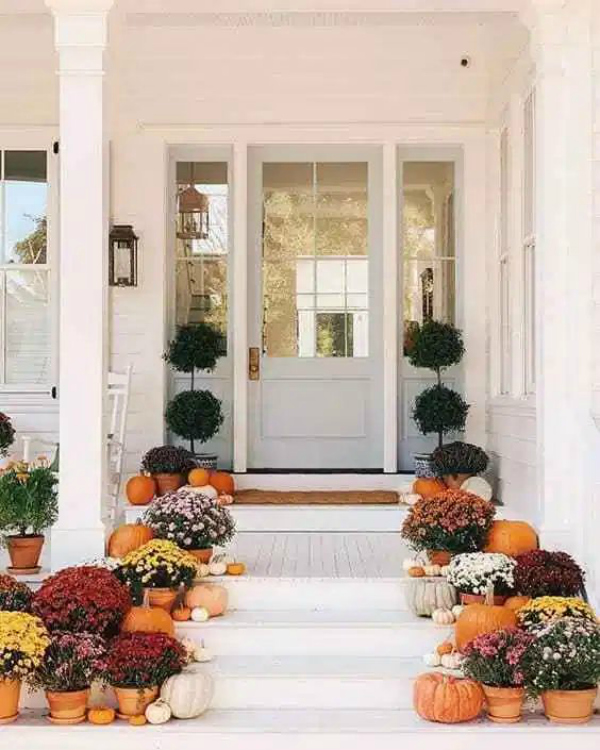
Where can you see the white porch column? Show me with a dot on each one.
(80, 38)
(563, 194)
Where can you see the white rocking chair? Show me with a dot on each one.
(118, 385)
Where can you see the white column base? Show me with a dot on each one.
(73, 546)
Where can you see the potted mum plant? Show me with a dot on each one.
(494, 660)
(82, 599)
(14, 595)
(472, 573)
(458, 462)
(169, 466)
(70, 664)
(159, 568)
(7, 434)
(540, 612)
(23, 641)
(544, 573)
(451, 522)
(193, 521)
(195, 415)
(28, 506)
(137, 664)
(438, 409)
(562, 665)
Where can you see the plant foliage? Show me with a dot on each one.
(7, 434)
(14, 595)
(459, 458)
(71, 662)
(167, 459)
(440, 410)
(436, 345)
(544, 573)
(195, 347)
(495, 659)
(28, 501)
(140, 660)
(194, 415)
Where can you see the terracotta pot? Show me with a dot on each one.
(202, 555)
(167, 483)
(504, 705)
(134, 701)
(163, 598)
(10, 691)
(67, 708)
(569, 706)
(25, 552)
(439, 557)
(480, 599)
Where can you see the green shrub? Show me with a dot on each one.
(194, 415)
(440, 410)
(459, 458)
(28, 502)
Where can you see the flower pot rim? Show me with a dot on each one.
(555, 691)
(68, 692)
(132, 687)
(25, 536)
(513, 688)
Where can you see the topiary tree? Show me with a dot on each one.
(194, 415)
(438, 409)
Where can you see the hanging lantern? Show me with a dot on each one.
(193, 210)
(122, 256)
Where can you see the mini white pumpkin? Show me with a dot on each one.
(203, 570)
(456, 610)
(202, 654)
(410, 498)
(188, 694)
(444, 570)
(451, 661)
(200, 614)
(221, 557)
(432, 570)
(442, 617)
(207, 490)
(158, 712)
(217, 568)
(433, 659)
(409, 563)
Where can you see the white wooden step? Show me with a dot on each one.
(319, 633)
(308, 729)
(313, 682)
(264, 593)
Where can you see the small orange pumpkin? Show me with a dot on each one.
(476, 619)
(445, 648)
(516, 602)
(511, 538)
(138, 720)
(428, 487)
(210, 596)
(140, 490)
(198, 477)
(236, 569)
(128, 537)
(222, 482)
(101, 715)
(147, 619)
(416, 572)
(181, 613)
(445, 699)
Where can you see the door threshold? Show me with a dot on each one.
(348, 472)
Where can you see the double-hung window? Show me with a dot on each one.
(26, 331)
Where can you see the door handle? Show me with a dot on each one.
(254, 363)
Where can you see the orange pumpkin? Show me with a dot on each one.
(428, 487)
(445, 648)
(222, 482)
(147, 619)
(140, 490)
(438, 697)
(476, 619)
(416, 572)
(211, 596)
(516, 602)
(128, 537)
(511, 538)
(181, 613)
(101, 715)
(236, 569)
(198, 477)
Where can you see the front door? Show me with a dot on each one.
(315, 326)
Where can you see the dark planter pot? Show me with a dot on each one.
(424, 466)
(206, 461)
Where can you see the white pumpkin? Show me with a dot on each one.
(217, 568)
(444, 570)
(456, 610)
(158, 712)
(432, 570)
(433, 659)
(442, 617)
(424, 595)
(410, 562)
(207, 490)
(200, 614)
(222, 557)
(410, 498)
(203, 570)
(188, 694)
(202, 654)
(451, 661)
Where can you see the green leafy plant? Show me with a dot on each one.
(438, 409)
(7, 434)
(459, 458)
(195, 415)
(28, 501)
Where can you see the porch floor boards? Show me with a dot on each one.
(320, 555)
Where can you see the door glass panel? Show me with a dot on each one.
(429, 243)
(202, 244)
(25, 198)
(28, 347)
(315, 264)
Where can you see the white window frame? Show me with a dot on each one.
(528, 243)
(34, 140)
(504, 268)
